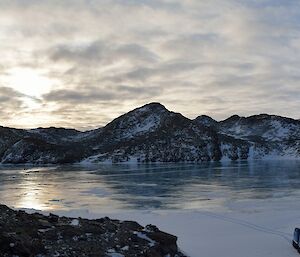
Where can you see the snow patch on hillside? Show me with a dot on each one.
(278, 131)
(148, 124)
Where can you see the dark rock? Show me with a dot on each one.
(28, 235)
(152, 133)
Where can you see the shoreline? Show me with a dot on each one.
(23, 234)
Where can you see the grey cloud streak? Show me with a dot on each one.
(100, 52)
(87, 95)
(197, 57)
(11, 102)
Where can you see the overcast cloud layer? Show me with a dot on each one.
(98, 59)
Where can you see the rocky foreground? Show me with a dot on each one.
(23, 234)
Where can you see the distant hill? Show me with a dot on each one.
(152, 133)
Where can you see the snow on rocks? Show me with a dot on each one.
(75, 222)
(152, 133)
(35, 234)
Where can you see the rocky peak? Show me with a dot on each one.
(155, 106)
(140, 120)
(231, 119)
(205, 120)
(263, 127)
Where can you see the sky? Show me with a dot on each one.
(81, 63)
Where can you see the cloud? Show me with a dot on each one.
(11, 103)
(88, 95)
(100, 52)
(197, 57)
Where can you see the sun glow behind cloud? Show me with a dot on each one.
(196, 57)
(28, 85)
(30, 82)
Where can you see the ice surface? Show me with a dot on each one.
(252, 229)
(236, 209)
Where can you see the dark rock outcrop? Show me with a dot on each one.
(29, 235)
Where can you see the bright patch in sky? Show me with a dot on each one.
(215, 57)
(30, 82)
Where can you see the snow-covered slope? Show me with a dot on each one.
(152, 133)
(8, 137)
(264, 127)
(270, 136)
(55, 135)
(145, 119)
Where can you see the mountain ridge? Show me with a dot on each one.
(152, 133)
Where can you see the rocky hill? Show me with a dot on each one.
(152, 133)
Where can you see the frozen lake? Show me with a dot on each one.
(245, 206)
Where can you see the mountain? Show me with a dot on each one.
(206, 121)
(42, 145)
(270, 136)
(152, 133)
(262, 127)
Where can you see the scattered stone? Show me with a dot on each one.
(37, 235)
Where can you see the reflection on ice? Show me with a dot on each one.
(156, 186)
